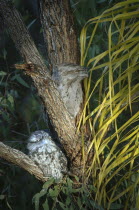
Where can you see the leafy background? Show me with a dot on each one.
(109, 47)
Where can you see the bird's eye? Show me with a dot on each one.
(41, 138)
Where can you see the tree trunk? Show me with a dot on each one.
(61, 39)
(59, 32)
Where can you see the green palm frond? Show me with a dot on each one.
(112, 95)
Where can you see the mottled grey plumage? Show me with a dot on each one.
(68, 78)
(46, 154)
(42, 149)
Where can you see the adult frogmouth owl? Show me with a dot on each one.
(68, 79)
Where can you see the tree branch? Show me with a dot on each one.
(59, 31)
(47, 90)
(20, 34)
(19, 158)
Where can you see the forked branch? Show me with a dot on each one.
(61, 119)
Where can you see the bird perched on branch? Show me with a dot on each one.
(47, 155)
(42, 149)
(68, 79)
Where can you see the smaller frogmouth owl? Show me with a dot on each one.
(47, 155)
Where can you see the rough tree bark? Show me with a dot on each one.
(22, 160)
(61, 40)
(59, 32)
